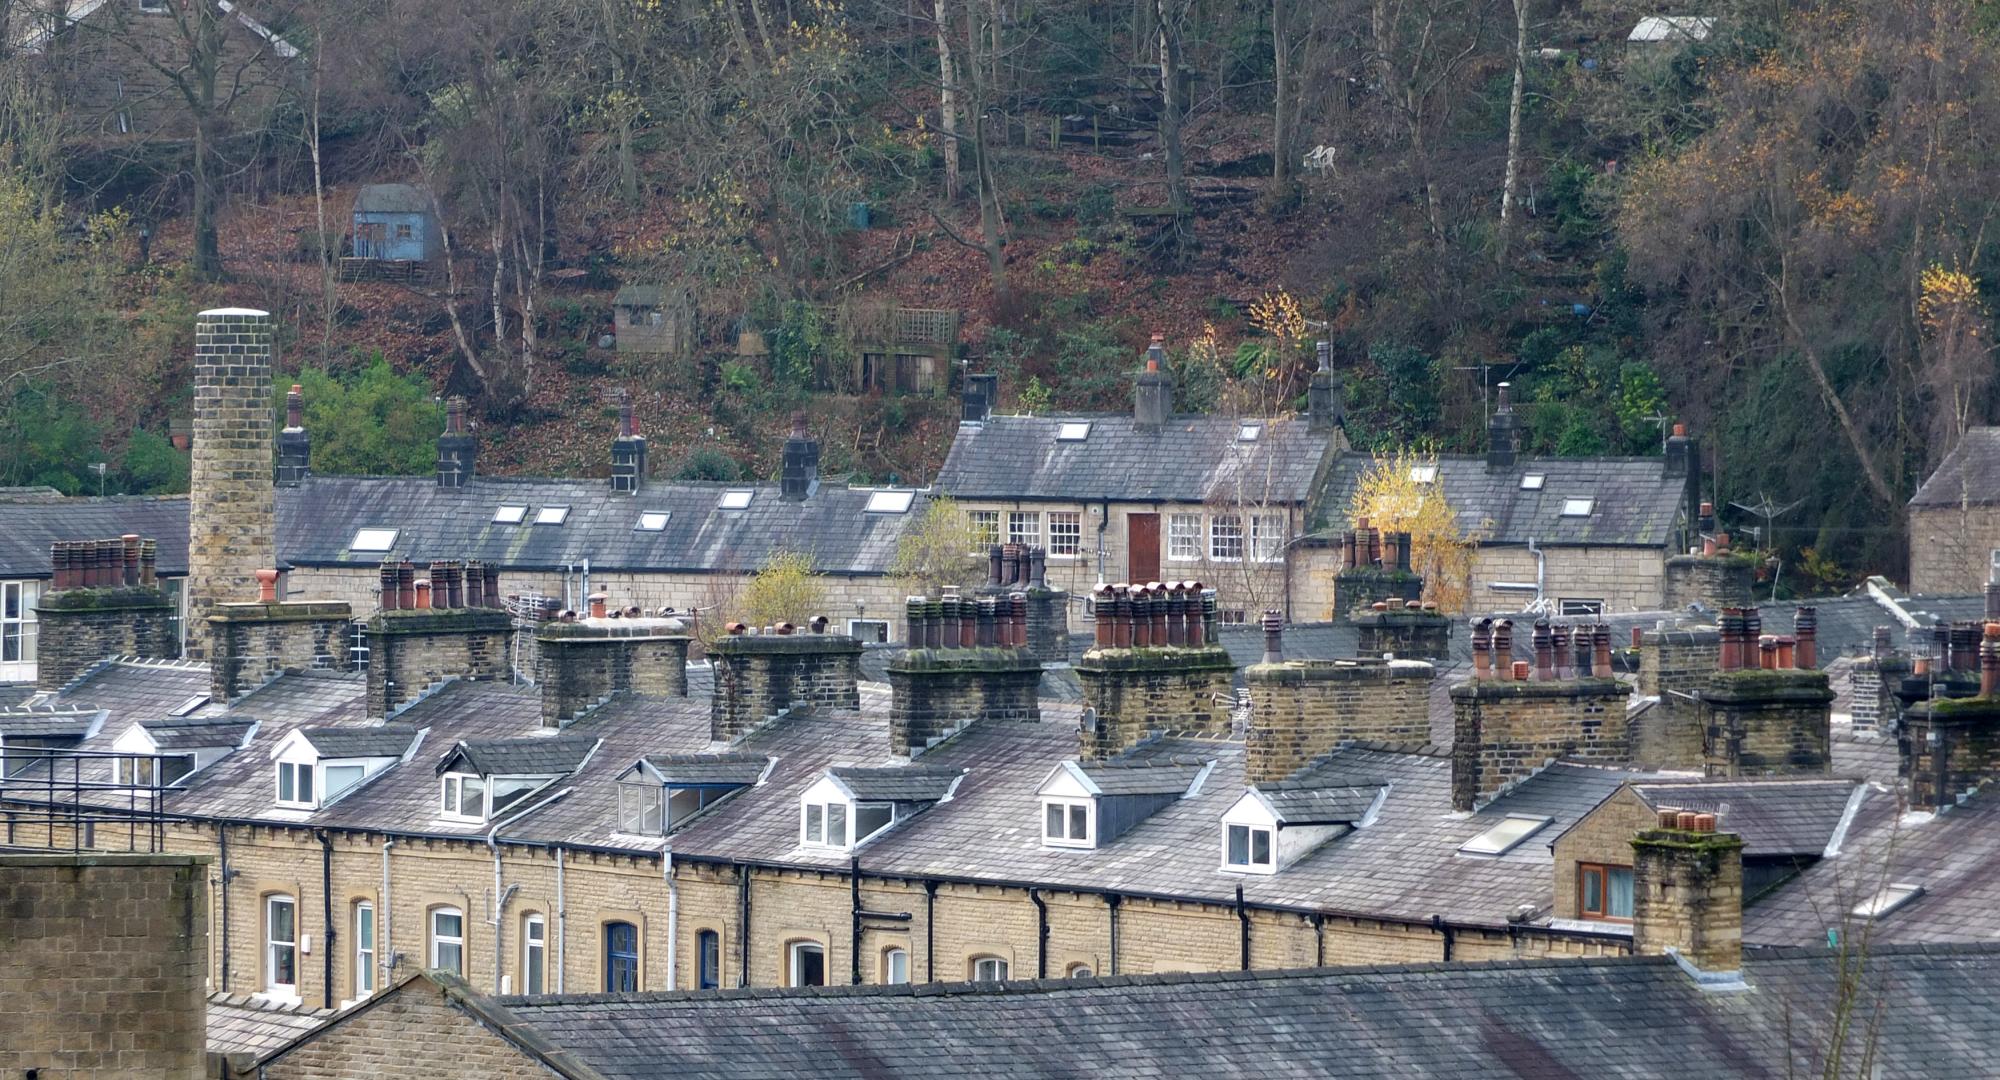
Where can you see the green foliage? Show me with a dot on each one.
(708, 463)
(1398, 404)
(48, 441)
(1587, 400)
(370, 421)
(936, 550)
(153, 466)
(803, 341)
(1034, 397)
(788, 589)
(1093, 365)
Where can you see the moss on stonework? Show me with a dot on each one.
(439, 620)
(118, 599)
(792, 644)
(281, 611)
(1165, 659)
(635, 630)
(987, 659)
(1753, 683)
(1495, 689)
(1706, 843)
(1960, 708)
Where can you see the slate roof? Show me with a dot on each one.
(530, 756)
(695, 770)
(910, 783)
(1932, 1013)
(176, 733)
(1169, 776)
(28, 528)
(1190, 459)
(1636, 503)
(1321, 800)
(637, 296)
(392, 199)
(48, 722)
(241, 1024)
(1970, 472)
(1774, 817)
(389, 740)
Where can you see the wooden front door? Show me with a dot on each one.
(1142, 547)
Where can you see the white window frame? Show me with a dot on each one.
(1070, 808)
(366, 931)
(274, 947)
(534, 955)
(1184, 537)
(440, 940)
(380, 538)
(1069, 525)
(989, 969)
(303, 780)
(20, 630)
(1573, 606)
(1269, 865)
(1073, 431)
(795, 967)
(1078, 971)
(1533, 481)
(1267, 537)
(1423, 474)
(1220, 529)
(451, 796)
(652, 521)
(1024, 527)
(895, 966)
(985, 529)
(889, 502)
(510, 514)
(552, 515)
(735, 499)
(1578, 507)
(822, 835)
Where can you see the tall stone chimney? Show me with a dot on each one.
(1155, 669)
(1687, 894)
(581, 662)
(1301, 709)
(1759, 715)
(1324, 411)
(1503, 433)
(232, 518)
(758, 676)
(456, 448)
(799, 477)
(982, 392)
(1153, 393)
(628, 451)
(968, 660)
(294, 445)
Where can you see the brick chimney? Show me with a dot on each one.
(1874, 680)
(1506, 729)
(1155, 669)
(456, 447)
(628, 451)
(981, 394)
(433, 633)
(1020, 568)
(254, 641)
(968, 660)
(1503, 433)
(799, 476)
(232, 517)
(104, 601)
(1683, 460)
(581, 662)
(1324, 409)
(294, 445)
(1759, 718)
(1301, 709)
(1153, 393)
(761, 675)
(1687, 895)
(1409, 631)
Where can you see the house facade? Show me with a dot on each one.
(1954, 518)
(396, 222)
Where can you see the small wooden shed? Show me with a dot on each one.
(396, 222)
(655, 320)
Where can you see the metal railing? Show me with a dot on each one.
(54, 799)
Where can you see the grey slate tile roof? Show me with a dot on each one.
(48, 722)
(1774, 817)
(1970, 472)
(392, 199)
(909, 783)
(133, 690)
(586, 811)
(530, 756)
(1636, 503)
(1190, 459)
(1144, 776)
(1321, 800)
(240, 1024)
(1933, 1014)
(695, 770)
(196, 734)
(390, 740)
(636, 295)
(28, 528)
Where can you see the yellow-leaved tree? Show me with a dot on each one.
(788, 589)
(1400, 492)
(937, 549)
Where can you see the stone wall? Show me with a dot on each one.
(939, 691)
(416, 1033)
(1409, 634)
(412, 650)
(1965, 753)
(102, 966)
(1623, 578)
(1603, 837)
(79, 627)
(1048, 625)
(1138, 693)
(1687, 895)
(1713, 581)
(579, 664)
(1758, 722)
(1674, 666)
(252, 643)
(1301, 709)
(1951, 548)
(1872, 683)
(1357, 587)
(1505, 731)
(759, 676)
(232, 521)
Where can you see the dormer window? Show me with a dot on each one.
(661, 793)
(318, 765)
(295, 785)
(1248, 848)
(1089, 805)
(1273, 826)
(464, 797)
(1067, 823)
(825, 824)
(478, 780)
(848, 807)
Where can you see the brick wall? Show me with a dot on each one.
(1136, 693)
(415, 1033)
(757, 677)
(582, 663)
(79, 627)
(232, 523)
(1872, 684)
(1687, 894)
(1713, 581)
(1624, 578)
(1300, 709)
(411, 650)
(103, 969)
(1505, 731)
(1767, 723)
(251, 643)
(1604, 837)
(1965, 754)
(1357, 587)
(938, 691)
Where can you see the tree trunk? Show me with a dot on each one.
(451, 292)
(1281, 118)
(1810, 355)
(764, 31)
(1511, 185)
(329, 299)
(1170, 108)
(947, 103)
(499, 249)
(207, 249)
(992, 226)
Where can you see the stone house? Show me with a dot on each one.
(655, 321)
(1152, 495)
(1955, 518)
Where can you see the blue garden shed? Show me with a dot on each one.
(397, 222)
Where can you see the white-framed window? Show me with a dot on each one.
(1068, 823)
(876, 630)
(1887, 899)
(985, 529)
(17, 623)
(1579, 606)
(295, 785)
(1073, 431)
(510, 514)
(1247, 847)
(448, 939)
(552, 515)
(895, 966)
(1533, 481)
(1184, 538)
(807, 962)
(373, 540)
(1065, 534)
(1267, 537)
(404, 230)
(281, 946)
(1248, 432)
(364, 949)
(1578, 507)
(534, 954)
(1225, 538)
(1423, 474)
(825, 824)
(1078, 971)
(652, 521)
(463, 797)
(737, 499)
(890, 502)
(988, 969)
(1024, 527)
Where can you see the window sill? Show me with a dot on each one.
(1260, 871)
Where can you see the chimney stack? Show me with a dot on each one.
(1301, 709)
(1153, 394)
(1503, 433)
(232, 516)
(1677, 448)
(981, 394)
(1687, 896)
(456, 448)
(1323, 405)
(581, 663)
(800, 475)
(103, 601)
(761, 676)
(968, 660)
(628, 451)
(294, 445)
(1137, 687)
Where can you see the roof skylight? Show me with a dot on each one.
(1887, 899)
(735, 499)
(1504, 837)
(552, 515)
(1533, 481)
(1249, 432)
(510, 515)
(890, 502)
(1423, 474)
(373, 540)
(1073, 431)
(1578, 507)
(652, 521)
